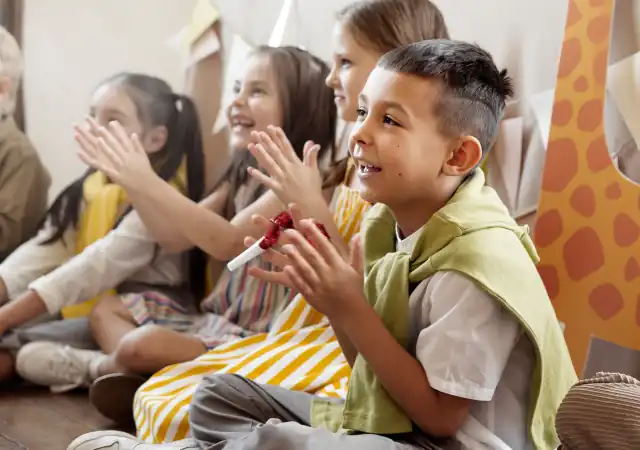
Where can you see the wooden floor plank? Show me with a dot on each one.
(34, 419)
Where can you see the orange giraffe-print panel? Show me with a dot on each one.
(588, 229)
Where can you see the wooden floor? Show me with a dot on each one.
(35, 419)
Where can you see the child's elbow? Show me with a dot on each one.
(443, 422)
(173, 246)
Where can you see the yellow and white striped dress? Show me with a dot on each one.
(300, 352)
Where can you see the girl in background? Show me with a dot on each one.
(92, 244)
(273, 90)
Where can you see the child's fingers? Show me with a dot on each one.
(277, 259)
(121, 136)
(311, 155)
(272, 148)
(85, 131)
(265, 160)
(108, 138)
(304, 252)
(297, 282)
(137, 145)
(356, 258)
(280, 278)
(304, 267)
(115, 161)
(261, 221)
(93, 125)
(320, 242)
(88, 160)
(266, 181)
(296, 214)
(281, 139)
(87, 146)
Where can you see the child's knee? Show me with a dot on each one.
(135, 349)
(105, 309)
(217, 387)
(210, 397)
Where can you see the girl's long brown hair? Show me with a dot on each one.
(309, 114)
(384, 25)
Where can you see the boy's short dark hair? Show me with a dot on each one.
(474, 91)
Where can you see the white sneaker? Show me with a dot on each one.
(117, 440)
(58, 366)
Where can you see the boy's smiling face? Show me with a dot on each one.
(401, 155)
(403, 159)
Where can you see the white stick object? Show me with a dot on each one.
(243, 258)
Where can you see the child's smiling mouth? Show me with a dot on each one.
(365, 169)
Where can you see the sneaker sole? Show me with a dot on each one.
(83, 441)
(113, 395)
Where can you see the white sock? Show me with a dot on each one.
(94, 366)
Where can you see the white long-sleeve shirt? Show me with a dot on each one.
(127, 253)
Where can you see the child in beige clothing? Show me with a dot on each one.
(24, 182)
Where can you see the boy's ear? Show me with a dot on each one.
(464, 157)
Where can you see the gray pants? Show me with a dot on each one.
(232, 412)
(73, 332)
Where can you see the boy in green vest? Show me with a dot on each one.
(453, 341)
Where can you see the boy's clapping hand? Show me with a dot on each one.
(309, 263)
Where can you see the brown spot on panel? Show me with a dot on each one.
(581, 84)
(562, 112)
(561, 165)
(583, 254)
(606, 300)
(583, 201)
(548, 228)
(549, 275)
(573, 15)
(631, 269)
(613, 191)
(570, 57)
(598, 157)
(625, 230)
(598, 29)
(590, 115)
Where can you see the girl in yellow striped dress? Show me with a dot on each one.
(301, 351)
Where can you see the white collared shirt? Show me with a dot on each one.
(471, 347)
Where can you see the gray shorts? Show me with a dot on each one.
(233, 412)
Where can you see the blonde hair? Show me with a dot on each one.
(11, 66)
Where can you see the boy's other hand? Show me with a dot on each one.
(329, 282)
(277, 260)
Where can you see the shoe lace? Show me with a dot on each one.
(69, 368)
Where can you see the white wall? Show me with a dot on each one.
(71, 45)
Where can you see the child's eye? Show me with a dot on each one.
(389, 121)
(258, 91)
(344, 62)
(236, 88)
(360, 112)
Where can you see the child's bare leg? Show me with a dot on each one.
(7, 366)
(150, 348)
(110, 321)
